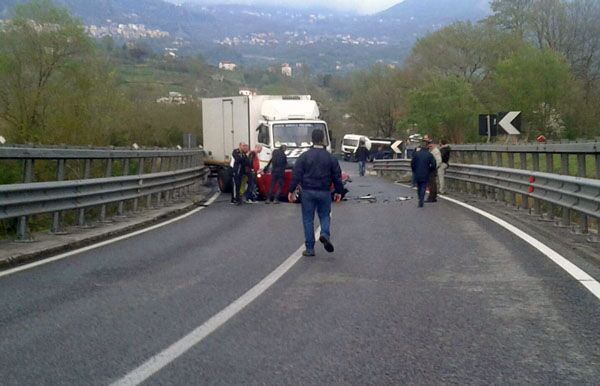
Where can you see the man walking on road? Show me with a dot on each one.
(433, 178)
(278, 164)
(314, 172)
(445, 153)
(362, 156)
(422, 165)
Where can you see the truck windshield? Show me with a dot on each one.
(351, 142)
(296, 134)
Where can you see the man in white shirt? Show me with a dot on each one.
(433, 184)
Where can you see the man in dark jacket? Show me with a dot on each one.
(422, 164)
(240, 162)
(362, 156)
(314, 172)
(278, 164)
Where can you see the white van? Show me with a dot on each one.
(350, 144)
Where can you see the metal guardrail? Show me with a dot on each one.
(154, 175)
(543, 193)
(581, 159)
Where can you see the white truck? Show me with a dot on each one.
(374, 145)
(268, 120)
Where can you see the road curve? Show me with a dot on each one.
(422, 296)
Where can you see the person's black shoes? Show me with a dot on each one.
(308, 253)
(326, 243)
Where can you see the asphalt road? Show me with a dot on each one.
(437, 295)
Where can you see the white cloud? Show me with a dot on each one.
(361, 6)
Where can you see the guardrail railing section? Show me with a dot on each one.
(50, 188)
(557, 182)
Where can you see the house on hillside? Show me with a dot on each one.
(248, 91)
(286, 70)
(227, 66)
(174, 98)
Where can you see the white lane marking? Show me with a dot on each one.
(577, 273)
(107, 242)
(580, 275)
(171, 353)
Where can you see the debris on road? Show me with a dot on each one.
(368, 197)
(404, 198)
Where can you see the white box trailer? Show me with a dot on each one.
(268, 120)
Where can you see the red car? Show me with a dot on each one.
(264, 183)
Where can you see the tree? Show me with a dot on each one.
(37, 46)
(537, 82)
(377, 100)
(446, 107)
(511, 15)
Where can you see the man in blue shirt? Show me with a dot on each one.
(422, 164)
(314, 172)
(362, 156)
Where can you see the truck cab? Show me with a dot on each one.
(350, 144)
(266, 120)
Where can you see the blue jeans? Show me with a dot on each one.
(251, 186)
(421, 187)
(319, 201)
(362, 165)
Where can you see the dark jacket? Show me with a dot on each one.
(362, 154)
(317, 170)
(278, 161)
(422, 164)
(240, 161)
(445, 151)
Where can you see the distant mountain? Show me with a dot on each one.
(262, 36)
(437, 11)
(157, 13)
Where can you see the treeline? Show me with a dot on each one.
(58, 86)
(541, 57)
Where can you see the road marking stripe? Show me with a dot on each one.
(171, 353)
(107, 242)
(580, 275)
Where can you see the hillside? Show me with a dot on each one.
(326, 41)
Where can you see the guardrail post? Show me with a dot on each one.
(511, 165)
(23, 234)
(108, 173)
(550, 169)
(152, 170)
(523, 166)
(140, 171)
(168, 165)
(564, 170)
(121, 205)
(582, 172)
(180, 192)
(87, 169)
(57, 216)
(537, 205)
(160, 168)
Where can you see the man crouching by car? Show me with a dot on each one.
(314, 172)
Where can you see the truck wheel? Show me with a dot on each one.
(224, 180)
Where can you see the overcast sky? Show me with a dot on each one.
(362, 6)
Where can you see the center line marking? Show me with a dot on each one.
(171, 353)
